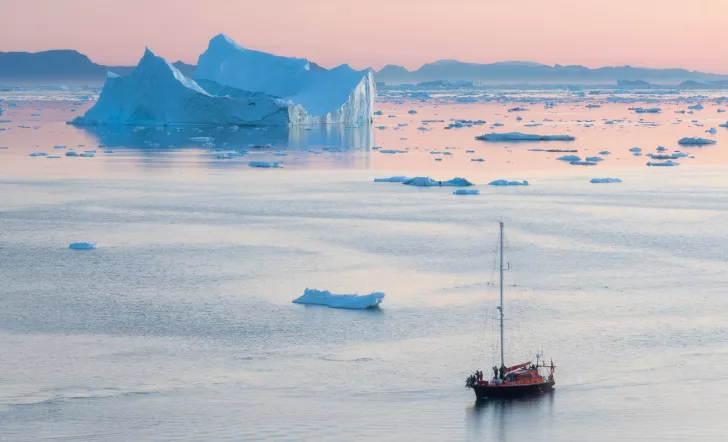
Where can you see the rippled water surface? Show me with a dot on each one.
(180, 326)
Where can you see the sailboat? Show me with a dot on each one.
(516, 380)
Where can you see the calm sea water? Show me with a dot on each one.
(180, 327)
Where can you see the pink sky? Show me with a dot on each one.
(371, 33)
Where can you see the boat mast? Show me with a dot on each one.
(501, 295)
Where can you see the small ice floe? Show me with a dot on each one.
(325, 297)
(661, 148)
(519, 118)
(592, 106)
(82, 245)
(698, 106)
(421, 181)
(583, 163)
(457, 182)
(594, 159)
(59, 146)
(649, 110)
(466, 192)
(667, 163)
(517, 136)
(497, 124)
(392, 151)
(469, 151)
(724, 125)
(532, 125)
(378, 113)
(381, 127)
(53, 157)
(71, 153)
(87, 155)
(477, 160)
(712, 131)
(605, 152)
(411, 111)
(605, 180)
(38, 154)
(394, 179)
(695, 141)
(635, 149)
(720, 111)
(264, 164)
(665, 157)
(518, 109)
(569, 158)
(508, 183)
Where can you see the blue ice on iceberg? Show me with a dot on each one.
(325, 297)
(82, 245)
(517, 136)
(605, 180)
(695, 141)
(502, 182)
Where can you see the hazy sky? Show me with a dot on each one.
(371, 33)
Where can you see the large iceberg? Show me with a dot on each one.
(517, 136)
(339, 95)
(234, 86)
(325, 297)
(157, 94)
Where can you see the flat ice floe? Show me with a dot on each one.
(425, 181)
(695, 141)
(667, 163)
(518, 136)
(508, 183)
(264, 164)
(325, 297)
(605, 180)
(466, 192)
(82, 245)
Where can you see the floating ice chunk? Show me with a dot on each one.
(59, 146)
(264, 164)
(605, 152)
(392, 151)
(498, 124)
(698, 106)
(517, 136)
(594, 159)
(635, 149)
(583, 163)
(477, 160)
(502, 182)
(325, 297)
(87, 155)
(667, 163)
(38, 154)
(592, 106)
(650, 110)
(53, 157)
(466, 192)
(724, 125)
(721, 111)
(421, 181)
(82, 245)
(695, 141)
(457, 182)
(411, 111)
(605, 180)
(394, 179)
(71, 153)
(519, 118)
(712, 131)
(517, 109)
(378, 113)
(661, 148)
(569, 158)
